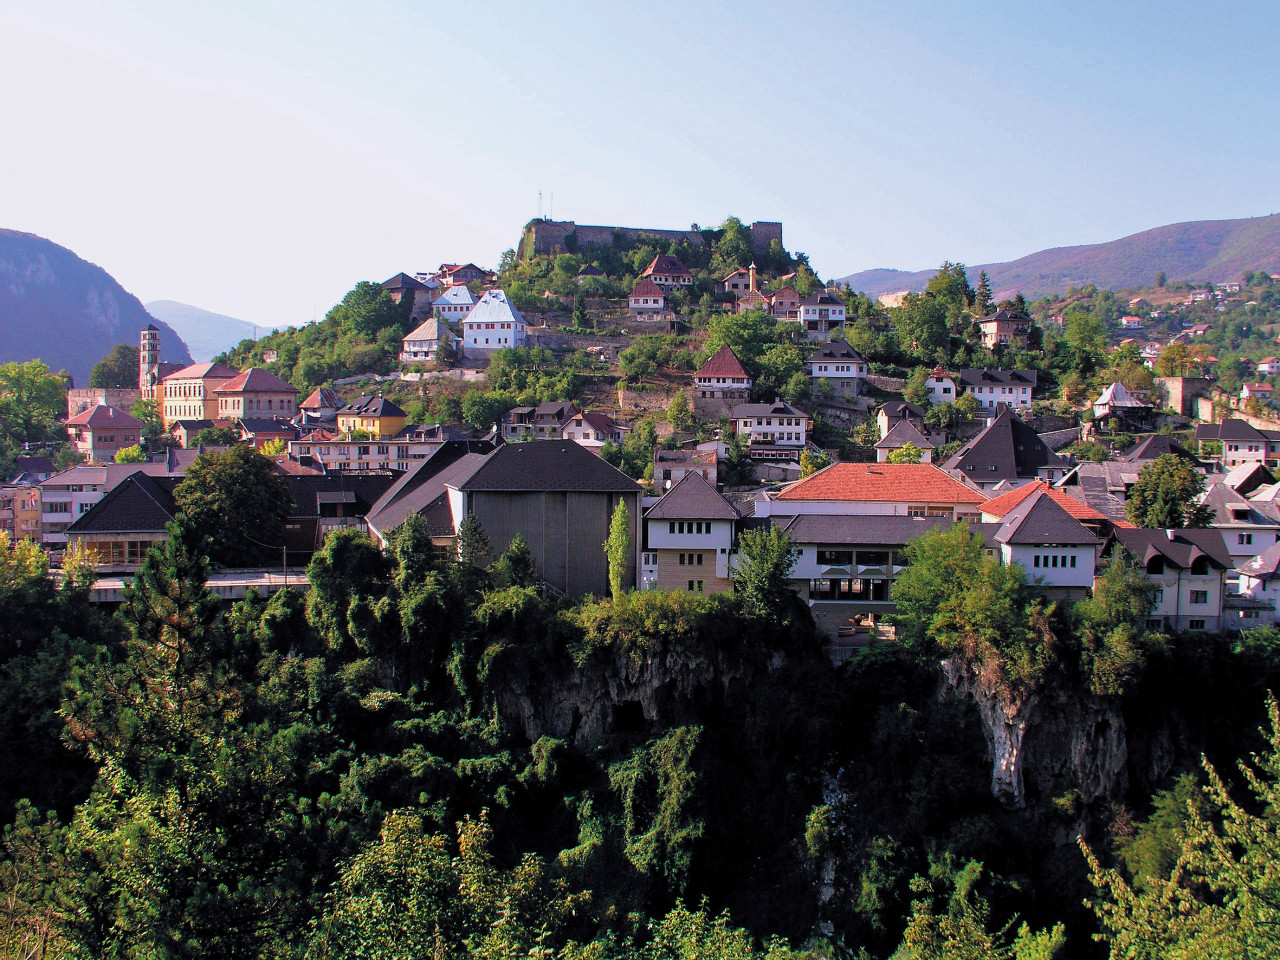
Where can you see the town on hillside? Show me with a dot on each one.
(710, 383)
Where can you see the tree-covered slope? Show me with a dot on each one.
(66, 311)
(1212, 250)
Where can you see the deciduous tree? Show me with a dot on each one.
(237, 500)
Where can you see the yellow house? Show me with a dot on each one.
(375, 416)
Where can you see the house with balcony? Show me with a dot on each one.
(127, 522)
(546, 421)
(668, 272)
(821, 314)
(689, 535)
(775, 431)
(67, 496)
(422, 344)
(840, 366)
(591, 430)
(1007, 327)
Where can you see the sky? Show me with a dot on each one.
(258, 159)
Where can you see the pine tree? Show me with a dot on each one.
(473, 543)
(982, 301)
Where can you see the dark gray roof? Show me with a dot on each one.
(1040, 520)
(902, 433)
(872, 530)
(836, 349)
(779, 408)
(693, 497)
(900, 408)
(139, 504)
(1231, 508)
(1179, 548)
(1265, 566)
(559, 465)
(1009, 446)
(1157, 445)
(371, 407)
(1229, 429)
(1006, 378)
(420, 490)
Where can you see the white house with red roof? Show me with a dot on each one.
(647, 301)
(591, 430)
(1260, 391)
(877, 489)
(1268, 366)
(722, 377)
(668, 272)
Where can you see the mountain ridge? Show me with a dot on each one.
(1204, 250)
(60, 308)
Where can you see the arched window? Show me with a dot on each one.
(1155, 565)
(1199, 566)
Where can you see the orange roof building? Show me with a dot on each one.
(878, 489)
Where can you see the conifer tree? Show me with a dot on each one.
(982, 301)
(618, 548)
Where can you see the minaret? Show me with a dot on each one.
(148, 361)
(751, 273)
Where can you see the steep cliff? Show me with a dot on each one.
(66, 311)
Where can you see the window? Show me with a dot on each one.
(1154, 624)
(1195, 624)
(1157, 598)
(1244, 538)
(1199, 596)
(1073, 560)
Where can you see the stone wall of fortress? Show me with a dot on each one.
(552, 236)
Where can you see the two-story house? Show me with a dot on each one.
(422, 344)
(453, 304)
(840, 367)
(100, 432)
(591, 430)
(1187, 568)
(722, 377)
(670, 466)
(668, 272)
(821, 314)
(996, 388)
(373, 415)
(492, 324)
(689, 536)
(1040, 532)
(190, 393)
(1005, 327)
(647, 300)
(1240, 442)
(546, 421)
(775, 431)
(256, 393)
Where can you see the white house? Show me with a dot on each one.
(775, 430)
(820, 314)
(1187, 568)
(1036, 531)
(647, 300)
(1268, 366)
(492, 324)
(842, 367)
(940, 386)
(591, 430)
(454, 304)
(423, 343)
(689, 536)
(993, 388)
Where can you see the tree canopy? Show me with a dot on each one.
(238, 502)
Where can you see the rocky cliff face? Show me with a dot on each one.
(65, 311)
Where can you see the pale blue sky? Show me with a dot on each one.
(259, 158)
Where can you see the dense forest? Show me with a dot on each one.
(428, 755)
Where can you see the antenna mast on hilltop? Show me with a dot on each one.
(539, 204)
(551, 214)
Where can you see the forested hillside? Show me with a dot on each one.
(429, 756)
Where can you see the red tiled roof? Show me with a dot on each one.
(1002, 504)
(723, 363)
(883, 482)
(203, 371)
(668, 265)
(104, 416)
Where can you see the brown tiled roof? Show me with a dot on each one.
(256, 381)
(104, 416)
(883, 482)
(668, 265)
(723, 363)
(203, 371)
(646, 288)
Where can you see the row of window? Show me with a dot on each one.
(690, 559)
(1047, 560)
(689, 526)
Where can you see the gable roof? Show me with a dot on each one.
(1006, 449)
(1265, 566)
(1040, 519)
(904, 432)
(693, 497)
(999, 506)
(138, 504)
(256, 380)
(429, 329)
(779, 408)
(547, 465)
(986, 378)
(104, 416)
(723, 363)
(423, 489)
(883, 483)
(821, 298)
(900, 408)
(836, 349)
(1117, 395)
(203, 371)
(402, 281)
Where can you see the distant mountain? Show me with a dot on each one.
(67, 311)
(1210, 250)
(207, 334)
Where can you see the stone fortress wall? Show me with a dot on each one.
(552, 236)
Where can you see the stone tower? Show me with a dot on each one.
(148, 361)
